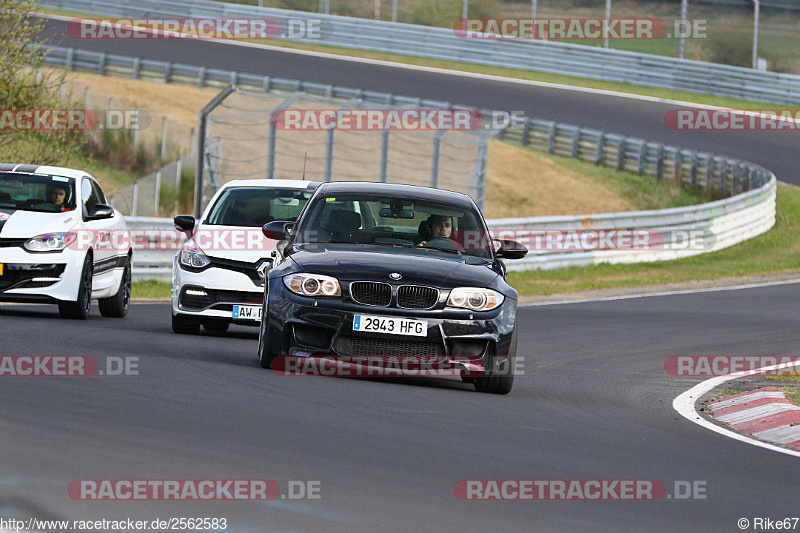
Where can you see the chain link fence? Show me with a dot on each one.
(255, 141)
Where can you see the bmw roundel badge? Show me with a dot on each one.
(395, 276)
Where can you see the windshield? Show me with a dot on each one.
(398, 222)
(253, 207)
(30, 192)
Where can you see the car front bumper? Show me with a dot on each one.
(476, 342)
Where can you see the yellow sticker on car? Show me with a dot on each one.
(1, 269)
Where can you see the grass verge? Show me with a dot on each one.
(500, 71)
(777, 251)
(151, 289)
(792, 394)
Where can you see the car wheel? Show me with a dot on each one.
(180, 325)
(117, 305)
(216, 327)
(79, 309)
(265, 355)
(500, 384)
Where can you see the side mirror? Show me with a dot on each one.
(277, 230)
(101, 211)
(184, 223)
(509, 249)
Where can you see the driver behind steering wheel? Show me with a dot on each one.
(439, 227)
(57, 195)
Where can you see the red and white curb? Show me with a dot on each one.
(764, 413)
(760, 408)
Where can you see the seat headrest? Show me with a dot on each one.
(342, 220)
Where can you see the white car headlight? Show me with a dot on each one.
(192, 256)
(475, 298)
(312, 285)
(49, 242)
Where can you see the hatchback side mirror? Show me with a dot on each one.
(100, 211)
(184, 223)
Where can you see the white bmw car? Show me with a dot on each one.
(61, 243)
(218, 274)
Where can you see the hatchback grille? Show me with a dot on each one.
(363, 346)
(371, 293)
(211, 297)
(417, 297)
(21, 276)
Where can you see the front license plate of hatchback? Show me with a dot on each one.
(247, 312)
(391, 325)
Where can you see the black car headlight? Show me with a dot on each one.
(49, 242)
(312, 285)
(192, 256)
(475, 299)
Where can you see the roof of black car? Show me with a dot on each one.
(392, 189)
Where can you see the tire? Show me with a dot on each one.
(79, 309)
(117, 305)
(265, 355)
(179, 325)
(216, 327)
(500, 384)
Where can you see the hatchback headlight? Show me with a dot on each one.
(192, 256)
(312, 285)
(49, 242)
(475, 299)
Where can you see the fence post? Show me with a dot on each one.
(157, 199)
(660, 162)
(135, 198)
(621, 153)
(693, 170)
(70, 56)
(723, 177)
(384, 156)
(178, 170)
(136, 67)
(329, 155)
(710, 162)
(642, 156)
(437, 141)
(163, 138)
(526, 131)
(101, 66)
(271, 143)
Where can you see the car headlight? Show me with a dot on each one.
(312, 285)
(475, 299)
(192, 256)
(49, 242)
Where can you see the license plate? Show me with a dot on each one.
(247, 312)
(391, 325)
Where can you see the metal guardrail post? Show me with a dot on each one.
(136, 67)
(601, 142)
(68, 60)
(723, 177)
(201, 78)
(621, 153)
(660, 162)
(551, 138)
(642, 157)
(693, 170)
(101, 66)
(178, 171)
(135, 199)
(576, 142)
(168, 72)
(526, 131)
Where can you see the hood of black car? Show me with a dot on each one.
(376, 263)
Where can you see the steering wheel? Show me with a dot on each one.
(443, 243)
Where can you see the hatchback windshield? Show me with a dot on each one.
(253, 207)
(398, 222)
(31, 192)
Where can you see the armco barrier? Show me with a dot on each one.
(442, 43)
(729, 221)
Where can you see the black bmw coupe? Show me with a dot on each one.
(375, 270)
